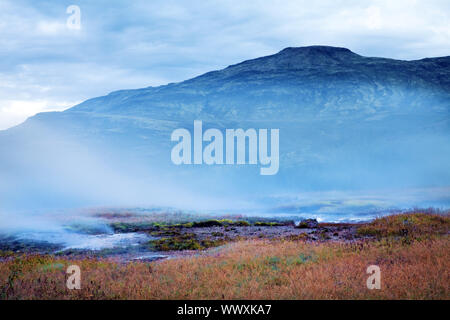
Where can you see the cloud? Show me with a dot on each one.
(50, 27)
(129, 45)
(373, 18)
(14, 111)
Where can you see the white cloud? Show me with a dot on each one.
(13, 112)
(47, 27)
(373, 17)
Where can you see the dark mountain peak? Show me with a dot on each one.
(317, 55)
(299, 58)
(317, 50)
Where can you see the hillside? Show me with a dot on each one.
(347, 122)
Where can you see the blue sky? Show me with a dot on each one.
(46, 66)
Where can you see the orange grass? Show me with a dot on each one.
(254, 269)
(258, 269)
(416, 225)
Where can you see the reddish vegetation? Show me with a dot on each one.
(417, 225)
(414, 265)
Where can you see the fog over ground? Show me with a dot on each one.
(358, 138)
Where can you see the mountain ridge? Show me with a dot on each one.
(300, 76)
(444, 61)
(346, 122)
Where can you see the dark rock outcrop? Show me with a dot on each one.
(308, 223)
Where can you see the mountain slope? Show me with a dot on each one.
(315, 79)
(347, 123)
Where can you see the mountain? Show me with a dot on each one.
(322, 80)
(347, 123)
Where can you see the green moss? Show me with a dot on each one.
(122, 227)
(225, 221)
(187, 225)
(208, 243)
(186, 241)
(166, 232)
(6, 254)
(267, 224)
(207, 223)
(216, 223)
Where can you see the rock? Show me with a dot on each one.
(308, 224)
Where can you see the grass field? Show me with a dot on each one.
(412, 251)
